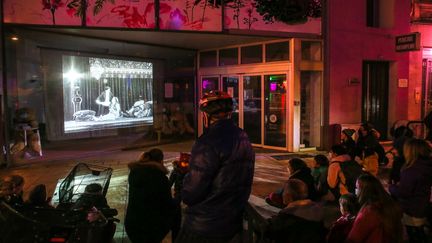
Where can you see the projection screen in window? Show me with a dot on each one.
(101, 93)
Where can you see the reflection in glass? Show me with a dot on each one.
(209, 84)
(230, 85)
(278, 51)
(208, 59)
(275, 110)
(251, 54)
(252, 107)
(228, 56)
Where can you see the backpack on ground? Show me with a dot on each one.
(351, 170)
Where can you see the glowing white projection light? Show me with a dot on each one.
(72, 75)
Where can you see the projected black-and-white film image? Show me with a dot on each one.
(101, 93)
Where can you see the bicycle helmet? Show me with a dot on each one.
(215, 102)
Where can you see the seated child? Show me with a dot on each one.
(92, 197)
(341, 228)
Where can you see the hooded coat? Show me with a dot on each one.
(150, 208)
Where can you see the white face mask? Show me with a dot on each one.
(357, 192)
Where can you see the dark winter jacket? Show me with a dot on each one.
(150, 210)
(300, 222)
(414, 189)
(350, 146)
(218, 185)
(320, 178)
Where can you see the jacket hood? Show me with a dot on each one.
(305, 209)
(341, 158)
(148, 164)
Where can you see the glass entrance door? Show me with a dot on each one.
(275, 113)
(207, 84)
(230, 85)
(252, 108)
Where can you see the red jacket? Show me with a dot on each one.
(368, 227)
(340, 229)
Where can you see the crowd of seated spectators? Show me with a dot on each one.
(348, 175)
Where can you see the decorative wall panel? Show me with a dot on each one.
(196, 15)
(45, 12)
(121, 13)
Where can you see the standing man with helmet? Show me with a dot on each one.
(218, 184)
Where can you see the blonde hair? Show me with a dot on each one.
(414, 149)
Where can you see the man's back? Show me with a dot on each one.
(219, 183)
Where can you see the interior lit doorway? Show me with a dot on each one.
(260, 105)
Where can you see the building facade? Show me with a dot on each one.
(293, 76)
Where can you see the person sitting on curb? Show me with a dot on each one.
(302, 220)
(343, 172)
(297, 169)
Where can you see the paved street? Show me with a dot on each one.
(58, 161)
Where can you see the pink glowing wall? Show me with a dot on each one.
(415, 69)
(351, 43)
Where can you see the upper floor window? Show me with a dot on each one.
(228, 56)
(380, 13)
(278, 51)
(208, 59)
(251, 54)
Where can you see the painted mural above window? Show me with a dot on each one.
(267, 16)
(45, 12)
(122, 14)
(187, 15)
(194, 15)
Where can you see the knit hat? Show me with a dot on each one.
(349, 132)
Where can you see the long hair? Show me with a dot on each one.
(415, 149)
(372, 193)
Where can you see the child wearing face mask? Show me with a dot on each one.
(340, 229)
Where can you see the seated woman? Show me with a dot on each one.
(297, 169)
(114, 111)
